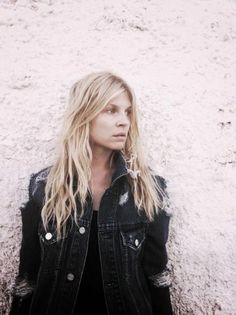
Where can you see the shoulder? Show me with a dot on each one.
(163, 184)
(37, 183)
(161, 181)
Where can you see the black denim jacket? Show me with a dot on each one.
(132, 250)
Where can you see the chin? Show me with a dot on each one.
(115, 146)
(119, 146)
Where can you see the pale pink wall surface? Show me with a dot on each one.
(179, 56)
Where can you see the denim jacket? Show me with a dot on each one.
(132, 250)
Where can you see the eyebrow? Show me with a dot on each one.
(118, 106)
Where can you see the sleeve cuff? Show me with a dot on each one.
(161, 279)
(23, 287)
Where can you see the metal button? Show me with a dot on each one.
(82, 230)
(136, 242)
(70, 276)
(48, 236)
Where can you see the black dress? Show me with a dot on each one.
(91, 294)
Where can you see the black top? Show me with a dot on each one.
(91, 292)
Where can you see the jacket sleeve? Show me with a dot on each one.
(25, 280)
(155, 261)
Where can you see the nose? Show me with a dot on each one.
(123, 120)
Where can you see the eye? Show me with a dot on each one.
(128, 112)
(110, 110)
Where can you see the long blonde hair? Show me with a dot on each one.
(88, 97)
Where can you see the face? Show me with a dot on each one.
(113, 120)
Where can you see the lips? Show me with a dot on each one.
(121, 134)
(119, 138)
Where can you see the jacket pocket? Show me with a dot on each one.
(132, 240)
(51, 249)
(133, 237)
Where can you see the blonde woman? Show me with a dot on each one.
(95, 225)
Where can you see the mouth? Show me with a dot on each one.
(120, 136)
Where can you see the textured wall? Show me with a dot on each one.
(179, 56)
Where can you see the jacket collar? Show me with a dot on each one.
(121, 167)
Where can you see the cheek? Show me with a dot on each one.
(100, 129)
(104, 123)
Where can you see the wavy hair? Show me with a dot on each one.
(72, 167)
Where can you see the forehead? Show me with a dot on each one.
(121, 100)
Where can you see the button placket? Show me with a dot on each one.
(48, 236)
(82, 230)
(70, 276)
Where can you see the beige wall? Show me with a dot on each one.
(180, 58)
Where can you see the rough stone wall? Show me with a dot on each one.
(179, 56)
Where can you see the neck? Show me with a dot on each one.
(101, 159)
(101, 171)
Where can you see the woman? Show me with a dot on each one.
(94, 228)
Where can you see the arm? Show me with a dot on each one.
(29, 257)
(155, 262)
